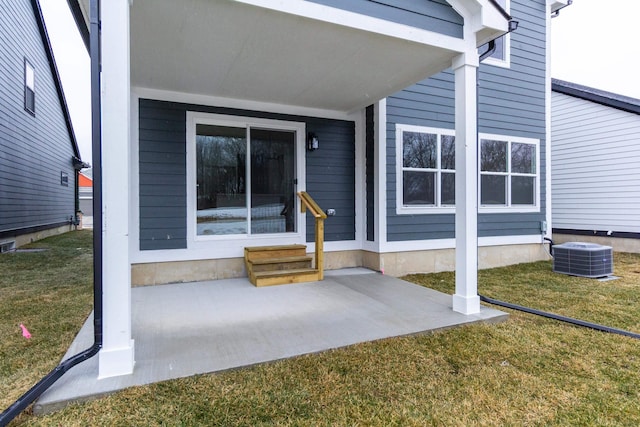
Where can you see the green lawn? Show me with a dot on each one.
(526, 371)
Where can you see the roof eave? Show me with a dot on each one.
(37, 11)
(82, 23)
(609, 99)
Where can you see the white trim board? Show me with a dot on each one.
(235, 243)
(437, 208)
(177, 255)
(425, 245)
(358, 21)
(511, 208)
(240, 104)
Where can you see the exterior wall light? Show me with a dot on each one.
(312, 142)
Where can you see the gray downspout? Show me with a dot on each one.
(41, 386)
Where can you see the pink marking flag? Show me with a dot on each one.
(25, 331)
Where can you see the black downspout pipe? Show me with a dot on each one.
(565, 319)
(550, 245)
(577, 322)
(96, 151)
(76, 195)
(489, 52)
(41, 386)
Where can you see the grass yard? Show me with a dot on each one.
(526, 371)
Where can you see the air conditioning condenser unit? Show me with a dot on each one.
(583, 259)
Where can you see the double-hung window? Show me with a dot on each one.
(509, 176)
(425, 170)
(29, 87)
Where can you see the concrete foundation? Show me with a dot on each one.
(617, 243)
(25, 239)
(393, 264)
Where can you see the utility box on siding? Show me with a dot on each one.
(583, 259)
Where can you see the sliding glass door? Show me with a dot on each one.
(245, 180)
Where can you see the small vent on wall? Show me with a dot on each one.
(7, 246)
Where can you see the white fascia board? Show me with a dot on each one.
(482, 19)
(426, 245)
(358, 21)
(556, 5)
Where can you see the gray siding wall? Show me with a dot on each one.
(511, 102)
(433, 15)
(330, 172)
(34, 150)
(596, 178)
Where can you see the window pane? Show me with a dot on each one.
(419, 188)
(30, 100)
(272, 181)
(419, 150)
(523, 158)
(499, 53)
(522, 190)
(221, 173)
(30, 77)
(493, 156)
(493, 190)
(448, 191)
(448, 152)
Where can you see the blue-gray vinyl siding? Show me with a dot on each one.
(433, 15)
(330, 172)
(34, 149)
(511, 102)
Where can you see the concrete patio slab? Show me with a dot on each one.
(192, 328)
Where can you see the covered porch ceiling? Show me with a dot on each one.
(254, 51)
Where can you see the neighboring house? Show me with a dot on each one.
(596, 166)
(85, 196)
(213, 110)
(39, 156)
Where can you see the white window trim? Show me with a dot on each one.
(506, 62)
(508, 174)
(196, 241)
(30, 84)
(401, 208)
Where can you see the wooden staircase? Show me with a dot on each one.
(278, 265)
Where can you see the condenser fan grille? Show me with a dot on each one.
(583, 259)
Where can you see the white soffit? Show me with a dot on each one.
(234, 50)
(248, 51)
(483, 19)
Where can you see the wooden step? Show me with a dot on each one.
(263, 252)
(281, 277)
(282, 263)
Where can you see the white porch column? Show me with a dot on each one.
(466, 299)
(116, 356)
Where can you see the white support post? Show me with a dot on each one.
(465, 299)
(117, 355)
